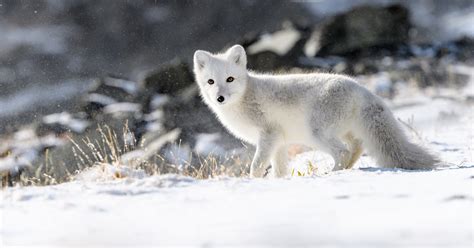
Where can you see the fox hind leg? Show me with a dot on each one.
(332, 145)
(355, 148)
(279, 162)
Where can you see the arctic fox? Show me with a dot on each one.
(326, 111)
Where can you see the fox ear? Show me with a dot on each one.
(201, 58)
(237, 55)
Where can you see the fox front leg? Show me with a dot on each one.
(265, 148)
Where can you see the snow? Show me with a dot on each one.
(361, 207)
(367, 206)
(206, 144)
(101, 99)
(122, 107)
(23, 149)
(66, 119)
(16, 163)
(128, 86)
(279, 42)
(106, 172)
(158, 100)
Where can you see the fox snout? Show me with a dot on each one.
(222, 95)
(221, 99)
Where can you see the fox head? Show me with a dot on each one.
(222, 78)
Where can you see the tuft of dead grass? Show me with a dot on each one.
(119, 150)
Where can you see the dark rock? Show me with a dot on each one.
(95, 103)
(191, 116)
(364, 27)
(465, 48)
(279, 50)
(108, 90)
(364, 66)
(249, 39)
(265, 61)
(338, 64)
(427, 72)
(168, 79)
(21, 151)
(119, 88)
(61, 123)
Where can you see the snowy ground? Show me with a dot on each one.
(367, 206)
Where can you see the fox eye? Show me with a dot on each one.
(210, 81)
(230, 79)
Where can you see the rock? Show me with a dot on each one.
(279, 42)
(265, 61)
(189, 113)
(426, 72)
(337, 64)
(465, 48)
(60, 123)
(168, 79)
(119, 88)
(123, 109)
(161, 87)
(361, 28)
(94, 103)
(106, 91)
(364, 66)
(171, 100)
(279, 50)
(20, 152)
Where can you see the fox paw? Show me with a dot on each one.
(343, 161)
(257, 172)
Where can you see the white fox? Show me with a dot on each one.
(326, 111)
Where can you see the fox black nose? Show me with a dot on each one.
(220, 99)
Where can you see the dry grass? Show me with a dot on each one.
(113, 149)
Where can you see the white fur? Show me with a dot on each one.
(328, 111)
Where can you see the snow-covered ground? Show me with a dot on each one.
(366, 206)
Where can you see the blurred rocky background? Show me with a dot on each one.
(74, 73)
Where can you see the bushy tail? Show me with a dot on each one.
(384, 139)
